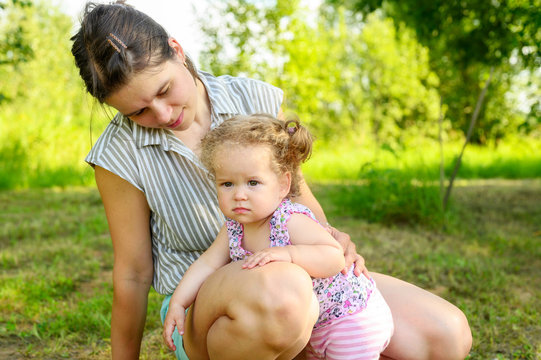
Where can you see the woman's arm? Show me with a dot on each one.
(308, 199)
(312, 248)
(216, 256)
(128, 216)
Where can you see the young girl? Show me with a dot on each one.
(254, 161)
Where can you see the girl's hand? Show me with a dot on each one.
(175, 317)
(266, 256)
(350, 252)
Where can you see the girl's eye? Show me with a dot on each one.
(227, 184)
(253, 182)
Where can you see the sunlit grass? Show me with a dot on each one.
(420, 159)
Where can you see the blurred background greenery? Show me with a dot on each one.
(368, 76)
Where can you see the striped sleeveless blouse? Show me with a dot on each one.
(185, 217)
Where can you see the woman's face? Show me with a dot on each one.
(165, 96)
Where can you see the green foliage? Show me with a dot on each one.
(14, 47)
(465, 38)
(484, 32)
(388, 197)
(353, 79)
(401, 88)
(45, 125)
(357, 75)
(343, 76)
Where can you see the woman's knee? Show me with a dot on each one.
(453, 338)
(463, 334)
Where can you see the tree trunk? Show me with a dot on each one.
(468, 136)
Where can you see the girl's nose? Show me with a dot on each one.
(240, 194)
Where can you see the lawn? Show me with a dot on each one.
(56, 259)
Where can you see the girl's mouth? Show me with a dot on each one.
(240, 210)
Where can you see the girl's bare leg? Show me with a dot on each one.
(426, 326)
(262, 313)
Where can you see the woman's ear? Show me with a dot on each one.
(177, 48)
(285, 184)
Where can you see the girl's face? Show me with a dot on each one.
(248, 189)
(161, 97)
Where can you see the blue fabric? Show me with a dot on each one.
(177, 338)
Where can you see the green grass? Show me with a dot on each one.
(56, 258)
(515, 158)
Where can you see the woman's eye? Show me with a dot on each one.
(164, 92)
(253, 182)
(140, 112)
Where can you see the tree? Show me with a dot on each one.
(326, 63)
(44, 127)
(14, 47)
(466, 39)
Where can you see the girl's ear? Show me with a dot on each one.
(285, 184)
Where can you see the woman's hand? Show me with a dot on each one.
(350, 252)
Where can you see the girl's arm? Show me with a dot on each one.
(216, 256)
(128, 216)
(308, 199)
(313, 249)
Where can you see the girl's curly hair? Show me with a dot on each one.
(290, 143)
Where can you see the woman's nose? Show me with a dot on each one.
(163, 113)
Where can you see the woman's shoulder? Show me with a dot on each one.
(232, 94)
(118, 129)
(234, 82)
(115, 150)
(115, 144)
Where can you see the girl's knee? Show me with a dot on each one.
(287, 307)
(274, 312)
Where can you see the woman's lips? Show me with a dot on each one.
(178, 122)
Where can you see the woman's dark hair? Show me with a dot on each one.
(115, 42)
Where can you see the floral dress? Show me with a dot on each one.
(338, 295)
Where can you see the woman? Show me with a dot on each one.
(162, 210)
